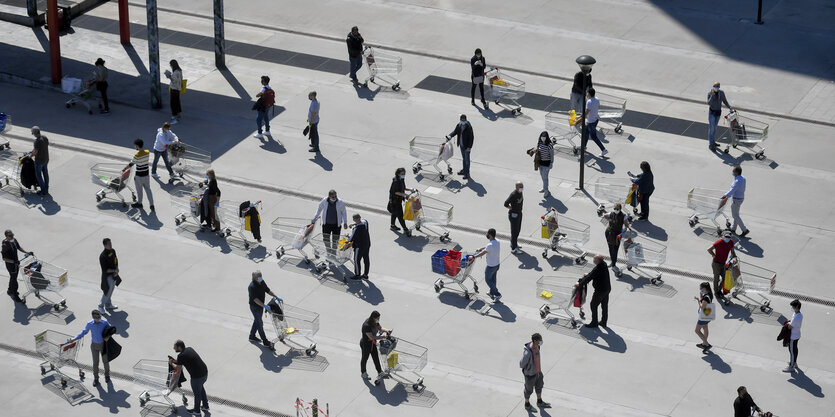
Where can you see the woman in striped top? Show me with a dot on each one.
(140, 177)
(175, 86)
(543, 155)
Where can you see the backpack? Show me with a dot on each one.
(269, 97)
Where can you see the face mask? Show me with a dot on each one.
(539, 343)
(462, 124)
(702, 292)
(260, 279)
(402, 177)
(521, 189)
(543, 139)
(616, 211)
(332, 199)
(207, 177)
(97, 320)
(478, 56)
(715, 88)
(727, 239)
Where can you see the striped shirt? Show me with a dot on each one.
(546, 151)
(141, 161)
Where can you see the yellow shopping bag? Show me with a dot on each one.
(545, 233)
(182, 87)
(391, 361)
(500, 82)
(546, 295)
(343, 243)
(630, 196)
(408, 214)
(572, 117)
(290, 330)
(248, 225)
(729, 283)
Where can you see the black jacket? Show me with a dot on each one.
(465, 135)
(478, 66)
(742, 406)
(577, 87)
(645, 183)
(112, 348)
(599, 278)
(354, 45)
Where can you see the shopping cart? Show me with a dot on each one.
(454, 270)
(430, 211)
(614, 190)
(234, 219)
(431, 151)
(611, 110)
(189, 162)
(642, 253)
(158, 379)
(562, 232)
(81, 92)
(5, 127)
(707, 203)
(403, 362)
(189, 205)
(292, 234)
(562, 127)
(746, 132)
(295, 326)
(58, 350)
(18, 170)
(750, 280)
(560, 295)
(382, 66)
(504, 88)
(113, 178)
(326, 255)
(40, 277)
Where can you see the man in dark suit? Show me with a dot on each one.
(599, 278)
(464, 132)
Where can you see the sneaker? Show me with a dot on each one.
(365, 376)
(529, 408)
(258, 136)
(107, 379)
(101, 310)
(136, 205)
(541, 190)
(472, 102)
(788, 369)
(313, 150)
(254, 339)
(543, 404)
(408, 233)
(105, 111)
(174, 121)
(155, 175)
(394, 228)
(111, 307)
(700, 345)
(497, 298)
(604, 152)
(268, 344)
(194, 410)
(205, 408)
(152, 208)
(267, 133)
(364, 276)
(96, 383)
(745, 233)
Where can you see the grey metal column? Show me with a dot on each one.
(32, 8)
(153, 54)
(220, 42)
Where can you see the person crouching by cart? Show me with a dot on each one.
(360, 240)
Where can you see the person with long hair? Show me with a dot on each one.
(477, 67)
(646, 186)
(174, 88)
(703, 299)
(397, 193)
(543, 154)
(372, 331)
(213, 195)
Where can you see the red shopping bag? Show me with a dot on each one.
(452, 262)
(579, 297)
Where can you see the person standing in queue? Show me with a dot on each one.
(397, 193)
(372, 331)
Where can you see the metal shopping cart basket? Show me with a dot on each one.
(642, 253)
(18, 170)
(403, 362)
(431, 151)
(292, 234)
(750, 281)
(295, 326)
(707, 203)
(158, 380)
(113, 179)
(611, 110)
(189, 162)
(562, 232)
(236, 218)
(615, 190)
(189, 205)
(58, 350)
(81, 92)
(454, 269)
(563, 130)
(382, 66)
(504, 88)
(429, 211)
(328, 252)
(746, 132)
(560, 295)
(40, 277)
(5, 127)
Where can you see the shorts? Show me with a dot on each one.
(702, 322)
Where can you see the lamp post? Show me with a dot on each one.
(585, 62)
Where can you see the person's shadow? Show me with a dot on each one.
(800, 380)
(365, 290)
(550, 202)
(112, 399)
(22, 314)
(750, 248)
(268, 143)
(323, 162)
(528, 261)
(650, 230)
(612, 341)
(393, 398)
(119, 320)
(148, 219)
(366, 93)
(717, 363)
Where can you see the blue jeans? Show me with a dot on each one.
(164, 155)
(490, 279)
(592, 127)
(42, 176)
(257, 322)
(712, 121)
(314, 135)
(355, 65)
(543, 172)
(577, 103)
(262, 119)
(465, 155)
(199, 391)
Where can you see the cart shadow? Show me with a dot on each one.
(550, 202)
(566, 152)
(478, 305)
(401, 395)
(47, 314)
(147, 219)
(602, 165)
(612, 341)
(563, 326)
(650, 230)
(194, 232)
(800, 380)
(643, 284)
(291, 359)
(749, 248)
(420, 241)
(717, 363)
(366, 93)
(751, 313)
(434, 178)
(268, 143)
(730, 160)
(527, 261)
(322, 161)
(563, 261)
(74, 393)
(161, 410)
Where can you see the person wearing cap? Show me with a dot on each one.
(464, 133)
(715, 98)
(10, 248)
(532, 372)
(40, 153)
(720, 251)
(355, 42)
(96, 328)
(101, 73)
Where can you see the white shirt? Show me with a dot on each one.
(164, 139)
(796, 322)
(492, 249)
(314, 108)
(592, 106)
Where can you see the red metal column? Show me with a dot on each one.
(54, 40)
(124, 22)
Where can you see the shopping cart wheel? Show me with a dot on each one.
(415, 169)
(57, 307)
(63, 383)
(475, 288)
(441, 177)
(582, 314)
(246, 245)
(629, 267)
(134, 197)
(575, 150)
(142, 403)
(728, 149)
(281, 338)
(691, 222)
(496, 101)
(758, 155)
(580, 260)
(619, 128)
(396, 87)
(437, 288)
(43, 370)
(81, 375)
(185, 400)
(68, 105)
(619, 273)
(728, 224)
(573, 323)
(545, 253)
(98, 198)
(377, 381)
(449, 170)
(467, 295)
(417, 387)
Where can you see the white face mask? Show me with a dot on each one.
(521, 189)
(332, 199)
(97, 320)
(616, 211)
(539, 343)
